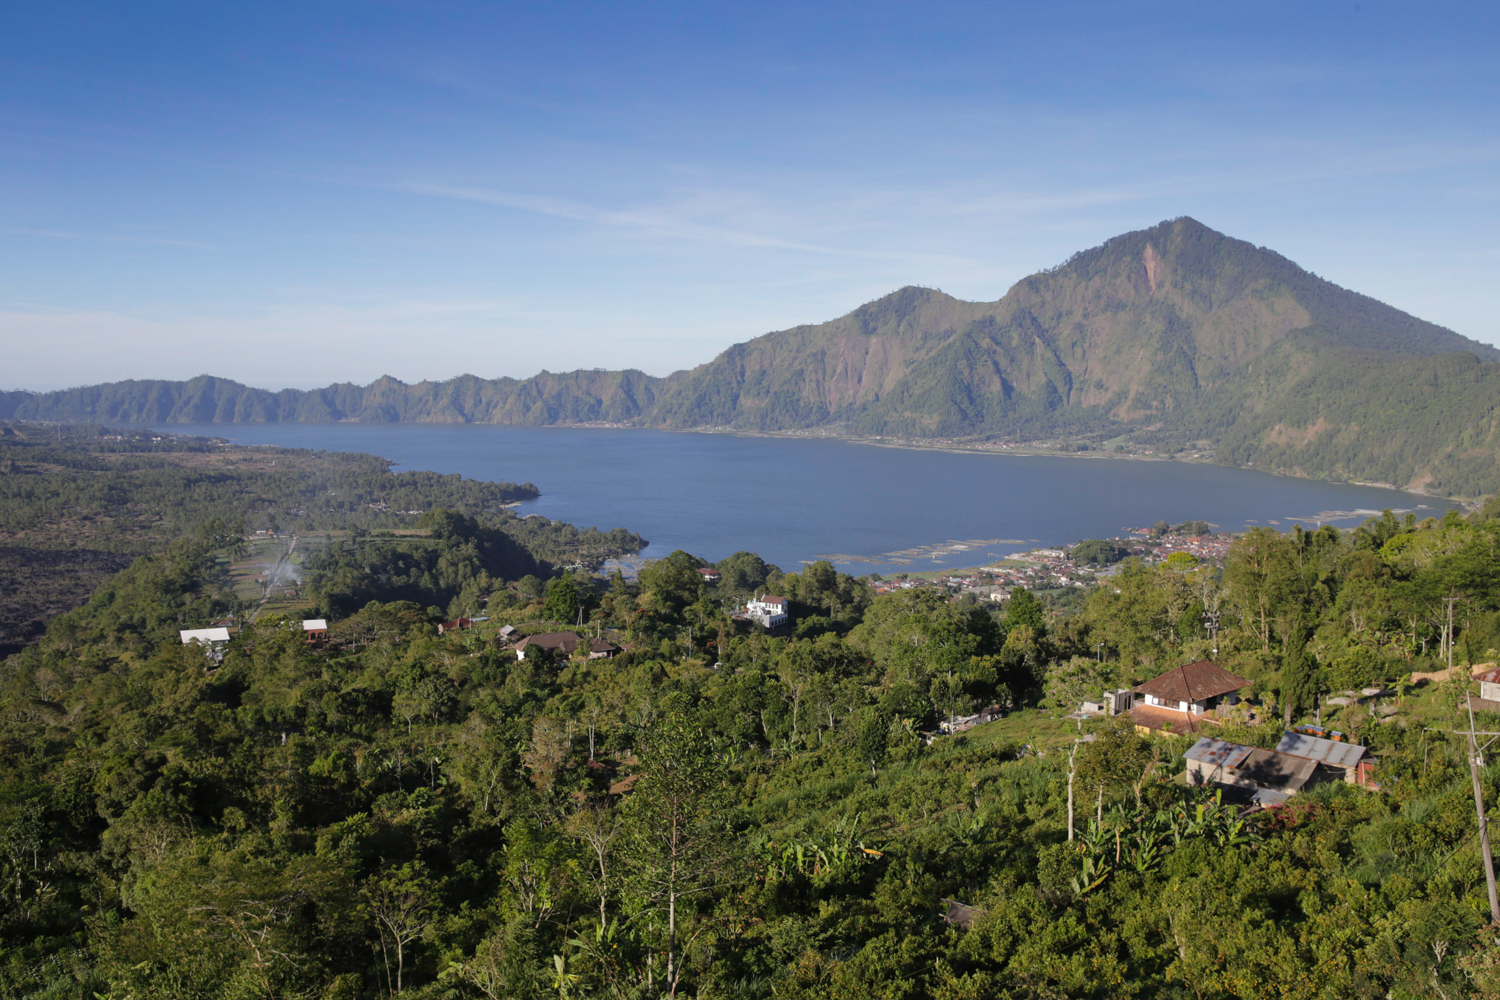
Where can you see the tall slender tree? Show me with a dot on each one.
(674, 850)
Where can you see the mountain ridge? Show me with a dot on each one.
(1170, 337)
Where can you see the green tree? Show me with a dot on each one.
(675, 848)
(673, 582)
(1025, 608)
(539, 869)
(562, 602)
(912, 635)
(1069, 682)
(1299, 686)
(743, 571)
(242, 920)
(1118, 755)
(597, 827)
(403, 902)
(1097, 552)
(871, 737)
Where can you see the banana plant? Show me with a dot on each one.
(563, 980)
(1147, 853)
(1094, 875)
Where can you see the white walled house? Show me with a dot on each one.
(1194, 687)
(769, 610)
(1181, 697)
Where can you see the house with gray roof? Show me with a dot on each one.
(1348, 762)
(1269, 775)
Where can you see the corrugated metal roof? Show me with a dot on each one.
(1282, 771)
(315, 624)
(203, 635)
(1269, 797)
(1326, 751)
(1218, 752)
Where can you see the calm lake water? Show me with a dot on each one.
(868, 508)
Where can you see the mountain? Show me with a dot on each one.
(1170, 337)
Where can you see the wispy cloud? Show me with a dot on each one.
(658, 221)
(683, 222)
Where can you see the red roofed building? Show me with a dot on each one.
(1184, 696)
(565, 643)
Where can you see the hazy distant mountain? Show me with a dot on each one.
(1166, 337)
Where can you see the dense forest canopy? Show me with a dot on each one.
(1171, 340)
(720, 810)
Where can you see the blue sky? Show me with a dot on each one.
(292, 195)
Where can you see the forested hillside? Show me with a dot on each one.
(717, 811)
(1175, 337)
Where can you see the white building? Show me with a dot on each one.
(212, 640)
(770, 611)
(1195, 688)
(204, 636)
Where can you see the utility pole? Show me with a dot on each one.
(1072, 754)
(1211, 622)
(1448, 639)
(1476, 764)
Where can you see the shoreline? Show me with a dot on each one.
(1469, 504)
(1021, 450)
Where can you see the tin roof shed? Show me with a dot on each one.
(1321, 750)
(1218, 752)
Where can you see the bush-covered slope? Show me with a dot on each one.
(719, 812)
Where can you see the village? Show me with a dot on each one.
(1197, 701)
(1193, 700)
(1044, 569)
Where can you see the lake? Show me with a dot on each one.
(868, 509)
